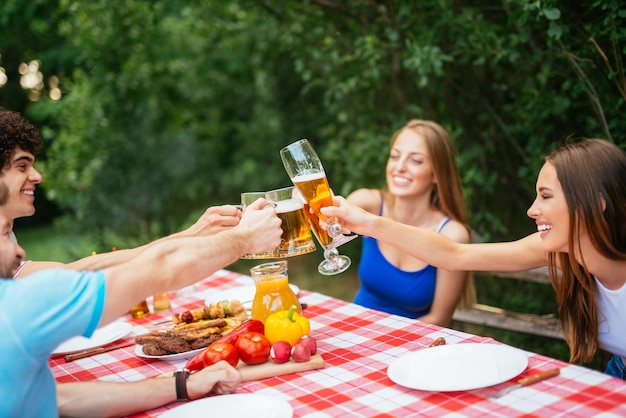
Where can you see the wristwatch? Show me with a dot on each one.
(181, 377)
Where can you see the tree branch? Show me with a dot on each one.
(591, 91)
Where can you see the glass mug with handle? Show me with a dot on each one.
(296, 238)
(307, 174)
(247, 198)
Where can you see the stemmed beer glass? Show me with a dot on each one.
(307, 173)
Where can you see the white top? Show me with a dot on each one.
(612, 319)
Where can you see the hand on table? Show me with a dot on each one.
(220, 378)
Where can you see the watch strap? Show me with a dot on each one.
(181, 384)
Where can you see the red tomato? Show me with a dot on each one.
(221, 351)
(197, 362)
(253, 347)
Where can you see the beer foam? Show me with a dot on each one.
(308, 177)
(289, 205)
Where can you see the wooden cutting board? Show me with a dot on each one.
(271, 369)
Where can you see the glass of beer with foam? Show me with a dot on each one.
(308, 176)
(296, 238)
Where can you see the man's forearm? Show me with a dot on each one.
(170, 265)
(114, 399)
(93, 262)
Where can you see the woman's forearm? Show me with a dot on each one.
(441, 252)
(435, 249)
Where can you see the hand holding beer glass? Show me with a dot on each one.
(296, 238)
(307, 173)
(247, 198)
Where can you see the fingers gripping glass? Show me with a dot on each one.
(307, 173)
(247, 198)
(296, 238)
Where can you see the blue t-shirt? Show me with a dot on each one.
(387, 288)
(36, 315)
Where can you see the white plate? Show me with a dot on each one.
(177, 356)
(236, 406)
(101, 336)
(458, 367)
(243, 294)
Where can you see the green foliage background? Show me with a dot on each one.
(172, 106)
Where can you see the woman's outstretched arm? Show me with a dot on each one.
(435, 249)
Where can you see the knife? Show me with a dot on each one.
(525, 381)
(97, 350)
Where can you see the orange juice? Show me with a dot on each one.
(273, 293)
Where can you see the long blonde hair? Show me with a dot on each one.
(447, 193)
(592, 174)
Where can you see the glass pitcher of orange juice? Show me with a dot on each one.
(273, 293)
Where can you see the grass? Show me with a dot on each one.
(49, 243)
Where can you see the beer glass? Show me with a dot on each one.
(247, 198)
(307, 173)
(296, 238)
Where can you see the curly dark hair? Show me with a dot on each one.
(16, 132)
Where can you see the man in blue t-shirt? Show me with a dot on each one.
(51, 306)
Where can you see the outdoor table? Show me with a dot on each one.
(358, 345)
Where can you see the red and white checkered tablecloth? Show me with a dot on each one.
(358, 345)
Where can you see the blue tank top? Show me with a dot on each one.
(387, 288)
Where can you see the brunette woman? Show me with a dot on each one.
(580, 212)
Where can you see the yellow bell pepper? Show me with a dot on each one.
(287, 326)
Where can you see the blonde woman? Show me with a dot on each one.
(423, 190)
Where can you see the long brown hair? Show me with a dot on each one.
(447, 194)
(592, 174)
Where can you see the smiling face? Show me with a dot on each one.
(409, 167)
(550, 211)
(21, 177)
